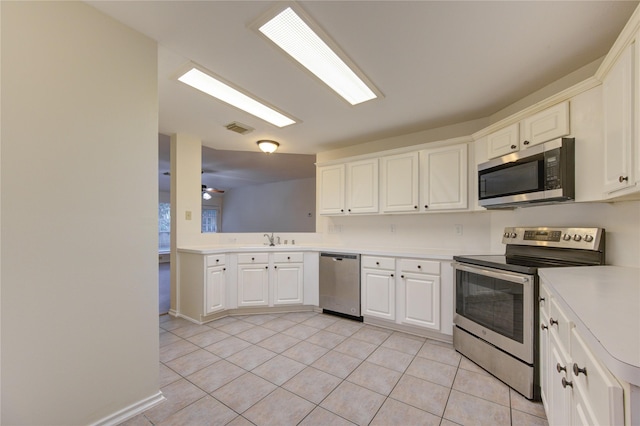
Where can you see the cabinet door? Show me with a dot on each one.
(617, 93)
(545, 300)
(504, 141)
(420, 300)
(601, 392)
(552, 123)
(444, 178)
(400, 178)
(287, 284)
(215, 290)
(362, 186)
(560, 397)
(253, 285)
(378, 294)
(331, 190)
(544, 360)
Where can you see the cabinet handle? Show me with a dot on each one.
(543, 327)
(401, 276)
(419, 267)
(377, 263)
(391, 275)
(341, 210)
(266, 267)
(275, 267)
(560, 368)
(217, 260)
(623, 178)
(577, 370)
(288, 257)
(552, 321)
(566, 383)
(426, 206)
(349, 210)
(224, 269)
(415, 207)
(527, 142)
(253, 258)
(542, 299)
(513, 147)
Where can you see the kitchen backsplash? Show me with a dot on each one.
(481, 232)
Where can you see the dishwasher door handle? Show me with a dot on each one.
(335, 259)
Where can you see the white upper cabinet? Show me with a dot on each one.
(546, 125)
(618, 105)
(400, 177)
(362, 186)
(331, 189)
(443, 183)
(552, 123)
(504, 141)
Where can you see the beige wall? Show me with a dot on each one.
(79, 221)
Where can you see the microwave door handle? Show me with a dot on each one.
(493, 274)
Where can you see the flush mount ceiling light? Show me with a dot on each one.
(268, 146)
(206, 82)
(315, 50)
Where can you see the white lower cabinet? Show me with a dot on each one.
(215, 289)
(576, 388)
(419, 293)
(403, 291)
(288, 279)
(378, 286)
(270, 279)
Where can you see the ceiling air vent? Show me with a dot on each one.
(237, 127)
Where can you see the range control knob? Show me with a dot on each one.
(505, 235)
(577, 237)
(588, 238)
(566, 237)
(513, 235)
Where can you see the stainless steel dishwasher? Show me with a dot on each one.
(340, 284)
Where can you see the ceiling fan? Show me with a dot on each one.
(206, 190)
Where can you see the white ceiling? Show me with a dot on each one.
(436, 62)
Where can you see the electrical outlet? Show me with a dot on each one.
(187, 215)
(457, 229)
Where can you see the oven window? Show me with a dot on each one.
(519, 178)
(492, 303)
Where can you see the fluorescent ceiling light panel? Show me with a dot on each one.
(216, 88)
(295, 37)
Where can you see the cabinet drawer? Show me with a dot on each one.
(253, 258)
(216, 259)
(378, 262)
(601, 391)
(288, 257)
(560, 324)
(420, 266)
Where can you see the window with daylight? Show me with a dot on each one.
(164, 226)
(210, 219)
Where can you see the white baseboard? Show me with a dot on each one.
(130, 411)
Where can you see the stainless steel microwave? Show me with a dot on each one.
(544, 173)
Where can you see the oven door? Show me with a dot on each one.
(496, 306)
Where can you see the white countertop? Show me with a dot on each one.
(605, 304)
(420, 253)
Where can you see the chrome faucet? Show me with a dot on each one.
(271, 239)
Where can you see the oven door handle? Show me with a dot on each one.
(493, 274)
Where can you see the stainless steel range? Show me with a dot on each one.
(496, 298)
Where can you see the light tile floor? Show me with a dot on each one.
(313, 369)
